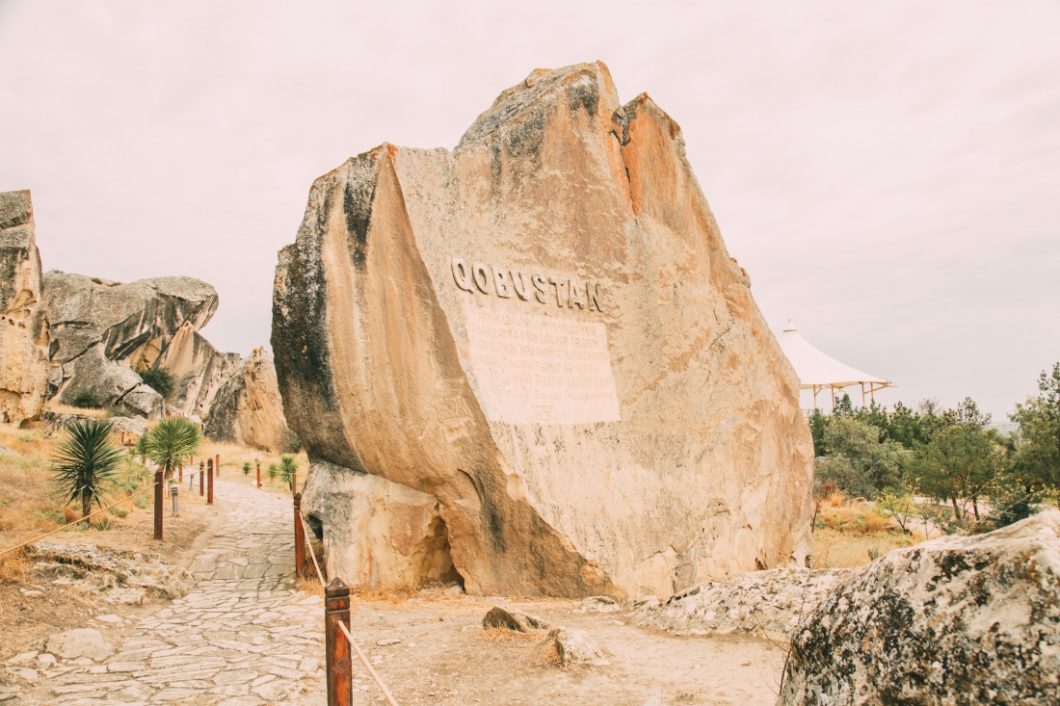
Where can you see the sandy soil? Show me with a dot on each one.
(445, 657)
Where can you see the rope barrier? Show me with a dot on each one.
(77, 522)
(345, 631)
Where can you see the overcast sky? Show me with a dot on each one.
(887, 172)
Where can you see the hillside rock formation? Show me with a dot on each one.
(103, 331)
(958, 620)
(538, 343)
(248, 409)
(23, 326)
(199, 370)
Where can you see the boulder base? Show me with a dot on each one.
(540, 337)
(958, 620)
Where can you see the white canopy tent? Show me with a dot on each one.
(818, 371)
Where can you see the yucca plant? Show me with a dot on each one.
(274, 470)
(288, 471)
(173, 442)
(85, 462)
(246, 468)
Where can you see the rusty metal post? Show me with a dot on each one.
(339, 667)
(202, 478)
(209, 481)
(259, 472)
(158, 504)
(299, 537)
(217, 465)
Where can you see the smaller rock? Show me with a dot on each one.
(22, 658)
(387, 641)
(80, 643)
(575, 647)
(109, 618)
(45, 661)
(129, 425)
(512, 620)
(600, 604)
(8, 692)
(30, 592)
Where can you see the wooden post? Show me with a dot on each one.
(158, 504)
(209, 481)
(338, 651)
(180, 473)
(299, 537)
(217, 465)
(202, 477)
(259, 472)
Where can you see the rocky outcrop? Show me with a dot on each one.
(767, 604)
(199, 371)
(23, 326)
(958, 620)
(103, 331)
(248, 409)
(539, 340)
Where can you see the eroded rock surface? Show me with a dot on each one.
(538, 339)
(248, 409)
(764, 603)
(23, 325)
(958, 620)
(102, 332)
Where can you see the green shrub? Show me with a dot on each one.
(159, 380)
(86, 400)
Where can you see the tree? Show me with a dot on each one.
(173, 442)
(859, 462)
(85, 461)
(288, 470)
(1038, 446)
(961, 459)
(159, 380)
(818, 425)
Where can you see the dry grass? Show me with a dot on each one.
(92, 412)
(233, 457)
(850, 533)
(310, 586)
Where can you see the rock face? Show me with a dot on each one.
(23, 326)
(958, 620)
(199, 370)
(248, 409)
(768, 604)
(102, 331)
(538, 343)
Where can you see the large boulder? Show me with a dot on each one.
(199, 371)
(23, 326)
(542, 333)
(958, 620)
(102, 332)
(248, 409)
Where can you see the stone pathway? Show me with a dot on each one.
(243, 636)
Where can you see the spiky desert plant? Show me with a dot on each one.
(141, 448)
(85, 462)
(274, 470)
(288, 471)
(246, 468)
(173, 442)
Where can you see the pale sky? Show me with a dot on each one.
(887, 172)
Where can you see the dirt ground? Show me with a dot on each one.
(445, 657)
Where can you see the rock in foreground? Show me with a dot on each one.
(541, 335)
(765, 603)
(958, 620)
(23, 326)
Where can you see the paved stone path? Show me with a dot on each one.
(243, 636)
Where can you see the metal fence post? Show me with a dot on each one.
(299, 537)
(158, 504)
(209, 481)
(202, 477)
(339, 666)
